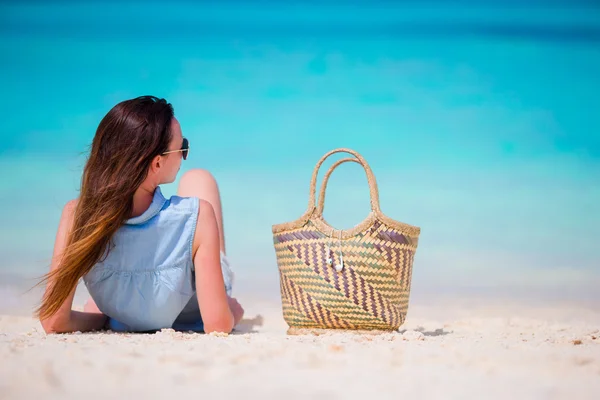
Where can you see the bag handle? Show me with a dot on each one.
(374, 192)
(323, 190)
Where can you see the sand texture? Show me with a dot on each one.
(441, 352)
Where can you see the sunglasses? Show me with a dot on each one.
(185, 148)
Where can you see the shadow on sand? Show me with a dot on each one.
(437, 332)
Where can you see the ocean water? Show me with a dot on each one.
(480, 122)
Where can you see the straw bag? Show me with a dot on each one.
(355, 279)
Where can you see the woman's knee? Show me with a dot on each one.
(197, 177)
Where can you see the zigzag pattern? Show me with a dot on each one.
(302, 276)
(371, 292)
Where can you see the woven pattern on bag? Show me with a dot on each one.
(372, 289)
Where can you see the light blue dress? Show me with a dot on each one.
(146, 282)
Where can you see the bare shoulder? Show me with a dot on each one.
(65, 225)
(70, 206)
(68, 211)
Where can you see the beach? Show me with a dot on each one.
(460, 349)
(477, 122)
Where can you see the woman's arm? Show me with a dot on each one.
(65, 319)
(210, 287)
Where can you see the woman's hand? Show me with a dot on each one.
(236, 310)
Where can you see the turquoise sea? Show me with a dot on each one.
(480, 120)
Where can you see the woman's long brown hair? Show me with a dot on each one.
(126, 141)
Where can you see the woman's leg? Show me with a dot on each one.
(91, 307)
(200, 183)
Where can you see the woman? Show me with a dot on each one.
(148, 262)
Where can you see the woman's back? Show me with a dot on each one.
(146, 280)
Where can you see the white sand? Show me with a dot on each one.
(442, 352)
